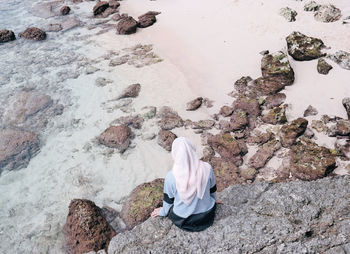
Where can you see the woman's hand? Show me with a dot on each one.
(155, 212)
(219, 202)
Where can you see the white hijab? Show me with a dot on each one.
(191, 174)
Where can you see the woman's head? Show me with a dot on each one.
(181, 149)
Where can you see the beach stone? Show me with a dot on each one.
(343, 127)
(203, 124)
(241, 85)
(238, 120)
(135, 121)
(166, 139)
(319, 126)
(116, 137)
(194, 104)
(226, 111)
(248, 173)
(169, 119)
(323, 67)
(310, 111)
(264, 154)
(290, 132)
(288, 13)
(275, 116)
(114, 4)
(227, 146)
(308, 161)
(249, 105)
(116, 17)
(327, 13)
(274, 100)
(6, 35)
(346, 104)
(141, 202)
(342, 58)
(342, 147)
(100, 7)
(65, 10)
(260, 138)
(131, 91)
(226, 173)
(147, 19)
(311, 6)
(17, 147)
(33, 33)
(304, 48)
(127, 25)
(86, 228)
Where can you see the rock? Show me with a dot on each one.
(264, 52)
(65, 10)
(343, 127)
(131, 91)
(319, 126)
(310, 111)
(106, 13)
(290, 132)
(309, 133)
(323, 67)
(53, 28)
(17, 148)
(264, 154)
(116, 137)
(303, 48)
(149, 112)
(70, 23)
(86, 228)
(248, 173)
(208, 153)
(226, 173)
(242, 84)
(119, 61)
(100, 7)
(275, 116)
(260, 138)
(169, 119)
(308, 161)
(203, 124)
(342, 58)
(101, 82)
(327, 13)
(274, 100)
(116, 17)
(194, 104)
(311, 6)
(238, 120)
(226, 111)
(226, 146)
(127, 26)
(141, 202)
(346, 104)
(166, 139)
(208, 102)
(147, 19)
(6, 36)
(249, 105)
(293, 217)
(135, 121)
(343, 148)
(288, 14)
(33, 33)
(114, 4)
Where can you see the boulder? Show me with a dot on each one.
(169, 119)
(274, 100)
(249, 105)
(238, 120)
(6, 35)
(65, 10)
(86, 228)
(308, 161)
(116, 137)
(275, 116)
(226, 173)
(226, 111)
(131, 91)
(127, 25)
(323, 67)
(290, 132)
(327, 13)
(100, 7)
(17, 147)
(33, 33)
(147, 19)
(226, 145)
(342, 58)
(346, 104)
(264, 154)
(194, 104)
(166, 139)
(311, 6)
(303, 48)
(288, 13)
(310, 111)
(141, 202)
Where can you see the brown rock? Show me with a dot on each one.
(86, 228)
(116, 137)
(346, 104)
(131, 91)
(264, 154)
(226, 111)
(17, 148)
(248, 173)
(114, 4)
(343, 127)
(275, 100)
(249, 105)
(226, 173)
(239, 120)
(65, 10)
(148, 19)
(323, 67)
(116, 17)
(194, 104)
(260, 138)
(6, 35)
(169, 119)
(135, 121)
(33, 33)
(100, 7)
(141, 202)
(268, 86)
(203, 124)
(310, 111)
(127, 25)
(226, 146)
(166, 139)
(275, 116)
(290, 132)
(241, 85)
(343, 148)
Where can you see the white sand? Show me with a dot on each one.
(205, 46)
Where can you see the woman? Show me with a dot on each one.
(189, 189)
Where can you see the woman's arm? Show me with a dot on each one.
(168, 198)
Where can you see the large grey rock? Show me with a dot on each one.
(294, 217)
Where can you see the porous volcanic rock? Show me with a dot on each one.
(303, 48)
(310, 111)
(100, 7)
(288, 13)
(226, 111)
(308, 161)
(226, 173)
(323, 67)
(7, 35)
(311, 6)
(141, 202)
(17, 148)
(227, 146)
(33, 33)
(290, 132)
(275, 116)
(264, 154)
(327, 13)
(127, 25)
(166, 139)
(131, 91)
(249, 105)
(293, 217)
(65, 10)
(346, 104)
(275, 100)
(86, 228)
(342, 58)
(148, 19)
(194, 104)
(116, 137)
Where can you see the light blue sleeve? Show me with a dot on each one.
(212, 184)
(169, 194)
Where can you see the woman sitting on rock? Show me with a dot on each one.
(189, 189)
